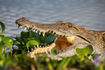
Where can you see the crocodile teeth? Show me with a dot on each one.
(37, 46)
(36, 31)
(33, 30)
(50, 31)
(39, 32)
(40, 46)
(16, 24)
(20, 27)
(61, 36)
(43, 34)
(25, 28)
(28, 51)
(32, 49)
(41, 50)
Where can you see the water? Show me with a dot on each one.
(87, 13)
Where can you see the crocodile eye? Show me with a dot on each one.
(70, 25)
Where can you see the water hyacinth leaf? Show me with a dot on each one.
(80, 51)
(49, 64)
(1, 62)
(1, 37)
(3, 28)
(32, 42)
(64, 63)
(88, 50)
(8, 42)
(84, 51)
(1, 43)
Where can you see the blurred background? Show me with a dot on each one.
(87, 13)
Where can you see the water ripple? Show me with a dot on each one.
(86, 13)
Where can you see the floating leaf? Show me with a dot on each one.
(88, 50)
(1, 37)
(84, 51)
(64, 63)
(79, 51)
(32, 42)
(3, 28)
(8, 42)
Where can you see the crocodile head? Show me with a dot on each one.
(69, 36)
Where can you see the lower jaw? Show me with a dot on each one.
(60, 44)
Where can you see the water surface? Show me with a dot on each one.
(87, 13)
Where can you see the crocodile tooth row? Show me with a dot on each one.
(54, 33)
(37, 31)
(25, 28)
(41, 50)
(39, 46)
(51, 32)
(43, 33)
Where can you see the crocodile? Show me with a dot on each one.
(69, 37)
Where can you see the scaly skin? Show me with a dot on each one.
(70, 36)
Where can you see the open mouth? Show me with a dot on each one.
(61, 42)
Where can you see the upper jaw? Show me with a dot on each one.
(41, 31)
(23, 22)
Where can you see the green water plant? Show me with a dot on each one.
(17, 59)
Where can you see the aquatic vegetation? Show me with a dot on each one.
(17, 58)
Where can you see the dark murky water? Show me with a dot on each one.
(87, 13)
